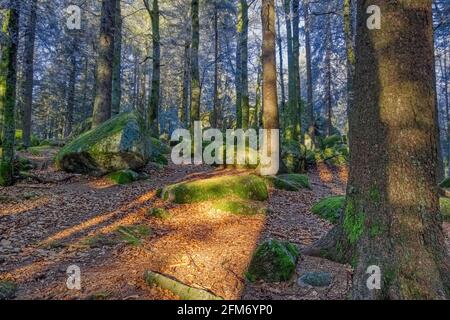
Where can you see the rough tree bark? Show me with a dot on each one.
(270, 96)
(28, 74)
(243, 47)
(153, 108)
(8, 79)
(195, 71)
(309, 89)
(117, 62)
(392, 217)
(350, 48)
(103, 95)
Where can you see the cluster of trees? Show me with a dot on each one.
(223, 62)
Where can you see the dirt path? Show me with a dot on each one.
(46, 228)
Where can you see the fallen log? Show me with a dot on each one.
(185, 292)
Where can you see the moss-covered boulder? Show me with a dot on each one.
(330, 208)
(289, 182)
(240, 208)
(7, 290)
(273, 261)
(123, 177)
(249, 187)
(119, 144)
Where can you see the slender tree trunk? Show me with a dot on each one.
(243, 44)
(71, 90)
(329, 81)
(102, 102)
(8, 79)
(309, 80)
(447, 108)
(117, 62)
(238, 77)
(296, 56)
(281, 63)
(392, 217)
(184, 110)
(27, 86)
(291, 116)
(258, 102)
(153, 108)
(215, 113)
(195, 72)
(84, 103)
(350, 48)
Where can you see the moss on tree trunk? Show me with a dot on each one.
(8, 79)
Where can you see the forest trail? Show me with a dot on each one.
(48, 227)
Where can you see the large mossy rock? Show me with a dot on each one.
(330, 208)
(273, 261)
(243, 187)
(118, 144)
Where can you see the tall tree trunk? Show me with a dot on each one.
(215, 113)
(350, 48)
(153, 108)
(292, 91)
(103, 96)
(238, 76)
(117, 62)
(281, 63)
(296, 56)
(270, 96)
(8, 79)
(27, 86)
(195, 71)
(184, 109)
(447, 107)
(71, 89)
(243, 45)
(309, 80)
(329, 81)
(392, 217)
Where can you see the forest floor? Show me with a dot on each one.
(73, 220)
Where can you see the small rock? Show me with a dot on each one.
(315, 279)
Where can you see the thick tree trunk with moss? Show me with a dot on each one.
(103, 96)
(27, 86)
(243, 47)
(392, 217)
(195, 71)
(8, 79)
(309, 97)
(117, 62)
(153, 108)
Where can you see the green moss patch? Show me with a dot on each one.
(123, 177)
(134, 234)
(289, 182)
(159, 213)
(273, 261)
(330, 208)
(244, 187)
(240, 208)
(445, 208)
(7, 290)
